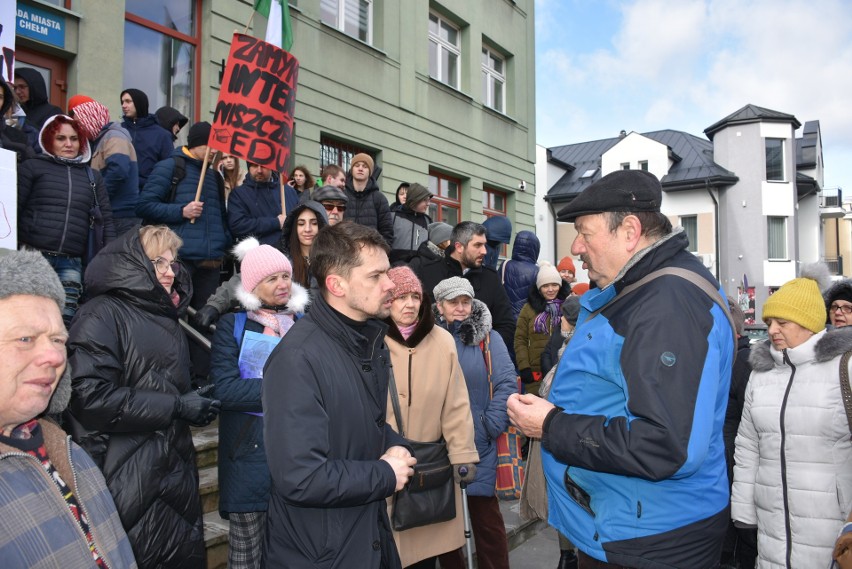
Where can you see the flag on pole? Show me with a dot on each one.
(277, 14)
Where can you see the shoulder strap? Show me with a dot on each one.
(485, 346)
(91, 176)
(178, 174)
(395, 402)
(239, 326)
(845, 390)
(503, 272)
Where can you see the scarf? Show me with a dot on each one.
(407, 331)
(543, 323)
(277, 323)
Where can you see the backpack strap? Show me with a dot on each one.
(178, 174)
(239, 326)
(845, 390)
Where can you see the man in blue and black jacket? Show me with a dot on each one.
(631, 431)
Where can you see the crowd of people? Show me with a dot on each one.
(351, 331)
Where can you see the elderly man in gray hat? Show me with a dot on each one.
(55, 508)
(631, 430)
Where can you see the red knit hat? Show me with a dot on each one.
(566, 264)
(580, 288)
(405, 280)
(76, 100)
(91, 116)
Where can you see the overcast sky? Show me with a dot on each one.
(645, 65)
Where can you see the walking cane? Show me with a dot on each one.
(466, 513)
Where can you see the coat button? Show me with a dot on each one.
(366, 367)
(380, 423)
(376, 546)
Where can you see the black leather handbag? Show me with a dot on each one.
(429, 497)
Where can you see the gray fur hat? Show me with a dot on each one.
(840, 290)
(28, 273)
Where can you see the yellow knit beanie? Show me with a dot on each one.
(799, 301)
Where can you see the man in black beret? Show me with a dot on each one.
(631, 430)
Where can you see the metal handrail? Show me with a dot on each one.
(194, 334)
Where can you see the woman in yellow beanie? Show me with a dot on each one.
(793, 457)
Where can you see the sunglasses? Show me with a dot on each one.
(332, 207)
(162, 265)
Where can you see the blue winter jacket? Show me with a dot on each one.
(208, 237)
(115, 158)
(254, 207)
(521, 270)
(635, 462)
(490, 417)
(152, 142)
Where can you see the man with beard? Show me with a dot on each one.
(631, 431)
(464, 258)
(254, 207)
(325, 392)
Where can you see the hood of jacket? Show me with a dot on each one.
(167, 117)
(425, 323)
(38, 89)
(122, 269)
(498, 229)
(85, 148)
(837, 289)
(828, 344)
(537, 301)
(430, 251)
(290, 222)
(140, 101)
(473, 329)
(527, 247)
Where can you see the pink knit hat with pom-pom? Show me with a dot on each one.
(256, 263)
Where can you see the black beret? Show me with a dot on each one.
(622, 190)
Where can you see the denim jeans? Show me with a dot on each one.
(70, 272)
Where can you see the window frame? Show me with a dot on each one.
(693, 243)
(442, 44)
(439, 200)
(770, 244)
(782, 174)
(340, 25)
(344, 152)
(490, 76)
(625, 166)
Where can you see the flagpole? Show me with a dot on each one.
(251, 19)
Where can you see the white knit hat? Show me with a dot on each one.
(547, 274)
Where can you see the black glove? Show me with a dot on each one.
(526, 375)
(196, 409)
(205, 317)
(469, 473)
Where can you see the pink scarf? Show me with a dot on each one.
(275, 323)
(407, 331)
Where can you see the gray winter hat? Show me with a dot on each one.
(571, 309)
(451, 288)
(440, 232)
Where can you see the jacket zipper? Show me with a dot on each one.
(788, 532)
(67, 211)
(410, 358)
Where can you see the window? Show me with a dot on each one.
(493, 80)
(690, 227)
(625, 165)
(494, 205)
(643, 165)
(336, 152)
(352, 17)
(446, 203)
(775, 159)
(161, 52)
(444, 51)
(777, 237)
(589, 173)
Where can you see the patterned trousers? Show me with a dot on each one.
(245, 539)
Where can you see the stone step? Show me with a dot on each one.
(208, 478)
(206, 441)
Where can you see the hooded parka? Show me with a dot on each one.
(37, 107)
(130, 363)
(520, 271)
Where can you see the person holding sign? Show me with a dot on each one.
(270, 303)
(254, 207)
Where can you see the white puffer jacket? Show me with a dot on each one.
(793, 458)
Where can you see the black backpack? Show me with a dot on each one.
(179, 173)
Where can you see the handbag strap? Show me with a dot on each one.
(845, 390)
(91, 176)
(485, 346)
(395, 402)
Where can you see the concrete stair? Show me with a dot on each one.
(216, 529)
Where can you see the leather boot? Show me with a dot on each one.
(568, 559)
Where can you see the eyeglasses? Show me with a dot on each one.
(844, 308)
(332, 207)
(163, 265)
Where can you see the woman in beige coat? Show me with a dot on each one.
(434, 403)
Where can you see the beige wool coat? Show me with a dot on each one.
(433, 402)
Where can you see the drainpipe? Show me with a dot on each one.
(716, 220)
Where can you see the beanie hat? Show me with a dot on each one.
(256, 263)
(547, 274)
(736, 315)
(140, 101)
(799, 301)
(580, 289)
(405, 280)
(416, 194)
(91, 116)
(363, 157)
(451, 288)
(571, 309)
(841, 290)
(76, 100)
(199, 134)
(566, 264)
(440, 232)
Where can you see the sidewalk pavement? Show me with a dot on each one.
(538, 552)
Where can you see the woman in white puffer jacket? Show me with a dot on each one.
(793, 458)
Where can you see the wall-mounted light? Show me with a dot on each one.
(522, 186)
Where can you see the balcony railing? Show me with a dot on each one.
(832, 197)
(835, 265)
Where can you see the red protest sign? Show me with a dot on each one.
(253, 119)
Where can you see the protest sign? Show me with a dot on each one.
(253, 119)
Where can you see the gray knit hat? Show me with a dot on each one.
(440, 232)
(571, 309)
(28, 273)
(452, 287)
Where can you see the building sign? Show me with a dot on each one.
(40, 25)
(253, 119)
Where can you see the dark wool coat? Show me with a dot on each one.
(152, 142)
(254, 207)
(521, 270)
(54, 199)
(130, 363)
(369, 208)
(325, 390)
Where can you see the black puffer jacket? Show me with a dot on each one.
(54, 199)
(130, 363)
(369, 208)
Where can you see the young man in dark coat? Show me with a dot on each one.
(254, 207)
(33, 96)
(367, 204)
(335, 460)
(464, 258)
(152, 142)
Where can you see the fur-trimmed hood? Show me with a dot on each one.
(473, 329)
(298, 303)
(831, 344)
(425, 323)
